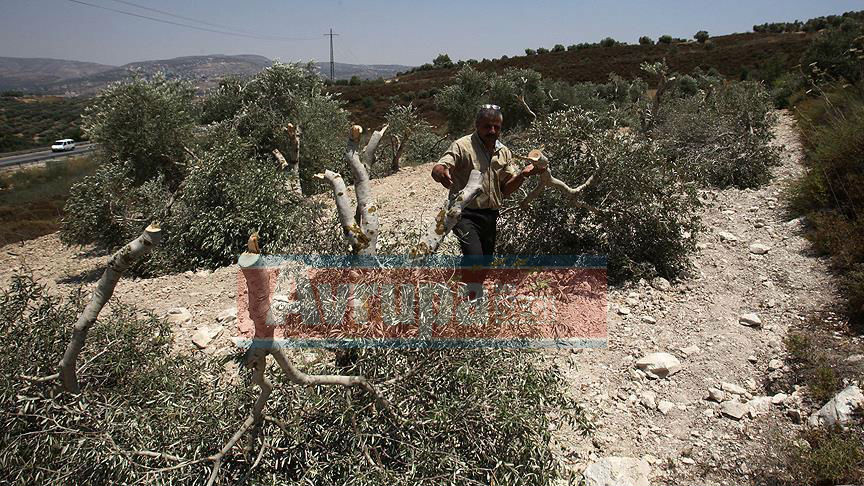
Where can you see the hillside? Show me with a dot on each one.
(23, 73)
(53, 76)
(735, 56)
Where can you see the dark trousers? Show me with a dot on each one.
(476, 233)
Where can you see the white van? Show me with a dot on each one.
(64, 145)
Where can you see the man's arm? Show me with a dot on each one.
(441, 170)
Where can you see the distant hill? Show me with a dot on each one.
(52, 76)
(25, 73)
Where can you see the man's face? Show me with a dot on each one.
(489, 128)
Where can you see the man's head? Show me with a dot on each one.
(488, 124)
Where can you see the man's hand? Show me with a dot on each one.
(441, 174)
(531, 169)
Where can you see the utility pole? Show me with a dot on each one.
(332, 64)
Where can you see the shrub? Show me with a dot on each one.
(530, 52)
(558, 48)
(459, 102)
(701, 36)
(833, 135)
(664, 39)
(144, 125)
(646, 41)
(442, 61)
(646, 225)
(141, 395)
(608, 42)
(837, 53)
(542, 50)
(720, 139)
(572, 47)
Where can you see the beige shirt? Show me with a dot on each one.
(469, 153)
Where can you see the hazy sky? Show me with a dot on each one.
(371, 31)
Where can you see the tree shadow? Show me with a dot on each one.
(85, 276)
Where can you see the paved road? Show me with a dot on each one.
(44, 155)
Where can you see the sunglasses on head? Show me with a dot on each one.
(490, 107)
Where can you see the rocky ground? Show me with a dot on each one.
(702, 412)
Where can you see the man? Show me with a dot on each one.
(481, 150)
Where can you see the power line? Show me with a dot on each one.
(169, 14)
(205, 29)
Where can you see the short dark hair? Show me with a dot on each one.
(488, 111)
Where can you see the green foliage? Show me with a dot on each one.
(664, 39)
(472, 416)
(701, 36)
(542, 50)
(229, 188)
(833, 456)
(530, 52)
(442, 61)
(608, 42)
(646, 225)
(558, 48)
(646, 41)
(143, 126)
(837, 53)
(460, 101)
(719, 138)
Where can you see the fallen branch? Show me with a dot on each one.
(547, 180)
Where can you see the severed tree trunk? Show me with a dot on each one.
(361, 231)
(291, 164)
(117, 265)
(400, 144)
(547, 180)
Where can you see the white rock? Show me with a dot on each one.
(775, 364)
(617, 471)
(649, 320)
(727, 236)
(179, 316)
(734, 409)
(661, 284)
(687, 460)
(659, 365)
(648, 400)
(665, 406)
(624, 311)
(690, 350)
(751, 320)
(228, 314)
(759, 405)
(855, 358)
(779, 398)
(205, 335)
(716, 395)
(733, 388)
(759, 249)
(840, 409)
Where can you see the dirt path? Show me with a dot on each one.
(697, 321)
(689, 440)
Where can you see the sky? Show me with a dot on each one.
(371, 31)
